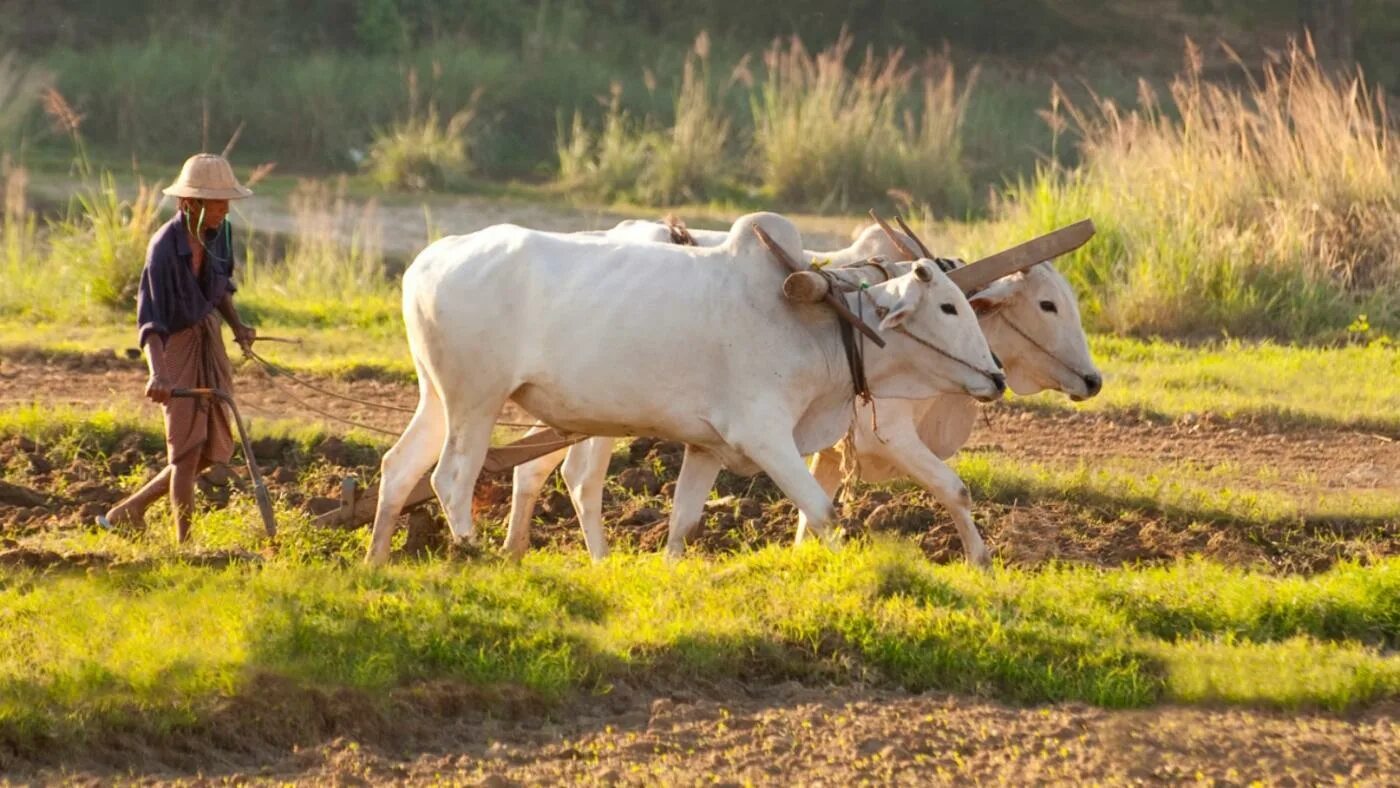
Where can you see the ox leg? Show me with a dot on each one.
(699, 470)
(454, 480)
(585, 470)
(780, 459)
(914, 458)
(826, 467)
(404, 465)
(526, 482)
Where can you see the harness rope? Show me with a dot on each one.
(274, 370)
(1039, 346)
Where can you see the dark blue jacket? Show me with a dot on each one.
(171, 298)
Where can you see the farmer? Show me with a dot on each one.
(186, 287)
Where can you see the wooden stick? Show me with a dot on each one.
(922, 248)
(830, 299)
(975, 276)
(909, 254)
(503, 458)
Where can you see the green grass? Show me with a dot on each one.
(1352, 387)
(162, 642)
(1184, 491)
(79, 434)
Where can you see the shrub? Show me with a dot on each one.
(421, 151)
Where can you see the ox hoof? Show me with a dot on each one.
(464, 549)
(514, 553)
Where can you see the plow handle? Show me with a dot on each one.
(259, 489)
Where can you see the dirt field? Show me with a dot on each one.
(737, 734)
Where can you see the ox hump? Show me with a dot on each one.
(742, 240)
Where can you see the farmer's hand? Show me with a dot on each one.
(244, 335)
(158, 389)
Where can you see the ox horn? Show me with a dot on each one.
(975, 276)
(909, 254)
(922, 248)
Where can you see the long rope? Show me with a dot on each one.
(308, 406)
(274, 370)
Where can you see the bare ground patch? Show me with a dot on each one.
(735, 733)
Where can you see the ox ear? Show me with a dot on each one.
(994, 298)
(894, 308)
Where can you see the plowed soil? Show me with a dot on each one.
(1019, 529)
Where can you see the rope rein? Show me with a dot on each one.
(274, 370)
(1039, 346)
(941, 351)
(308, 406)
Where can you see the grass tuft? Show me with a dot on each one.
(1264, 210)
(825, 135)
(641, 160)
(423, 152)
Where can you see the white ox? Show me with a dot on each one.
(694, 344)
(1031, 321)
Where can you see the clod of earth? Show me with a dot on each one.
(15, 495)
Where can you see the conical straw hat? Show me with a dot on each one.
(206, 176)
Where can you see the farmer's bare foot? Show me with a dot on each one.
(123, 517)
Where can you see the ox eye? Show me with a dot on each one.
(1049, 306)
(949, 309)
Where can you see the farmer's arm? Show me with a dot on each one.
(243, 333)
(152, 317)
(157, 386)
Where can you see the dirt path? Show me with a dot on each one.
(795, 735)
(1297, 460)
(102, 380)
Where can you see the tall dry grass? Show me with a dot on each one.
(646, 160)
(830, 136)
(691, 160)
(1272, 208)
(89, 258)
(334, 255)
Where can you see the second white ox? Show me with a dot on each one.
(684, 343)
(1031, 321)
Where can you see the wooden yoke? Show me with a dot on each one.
(831, 299)
(975, 276)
